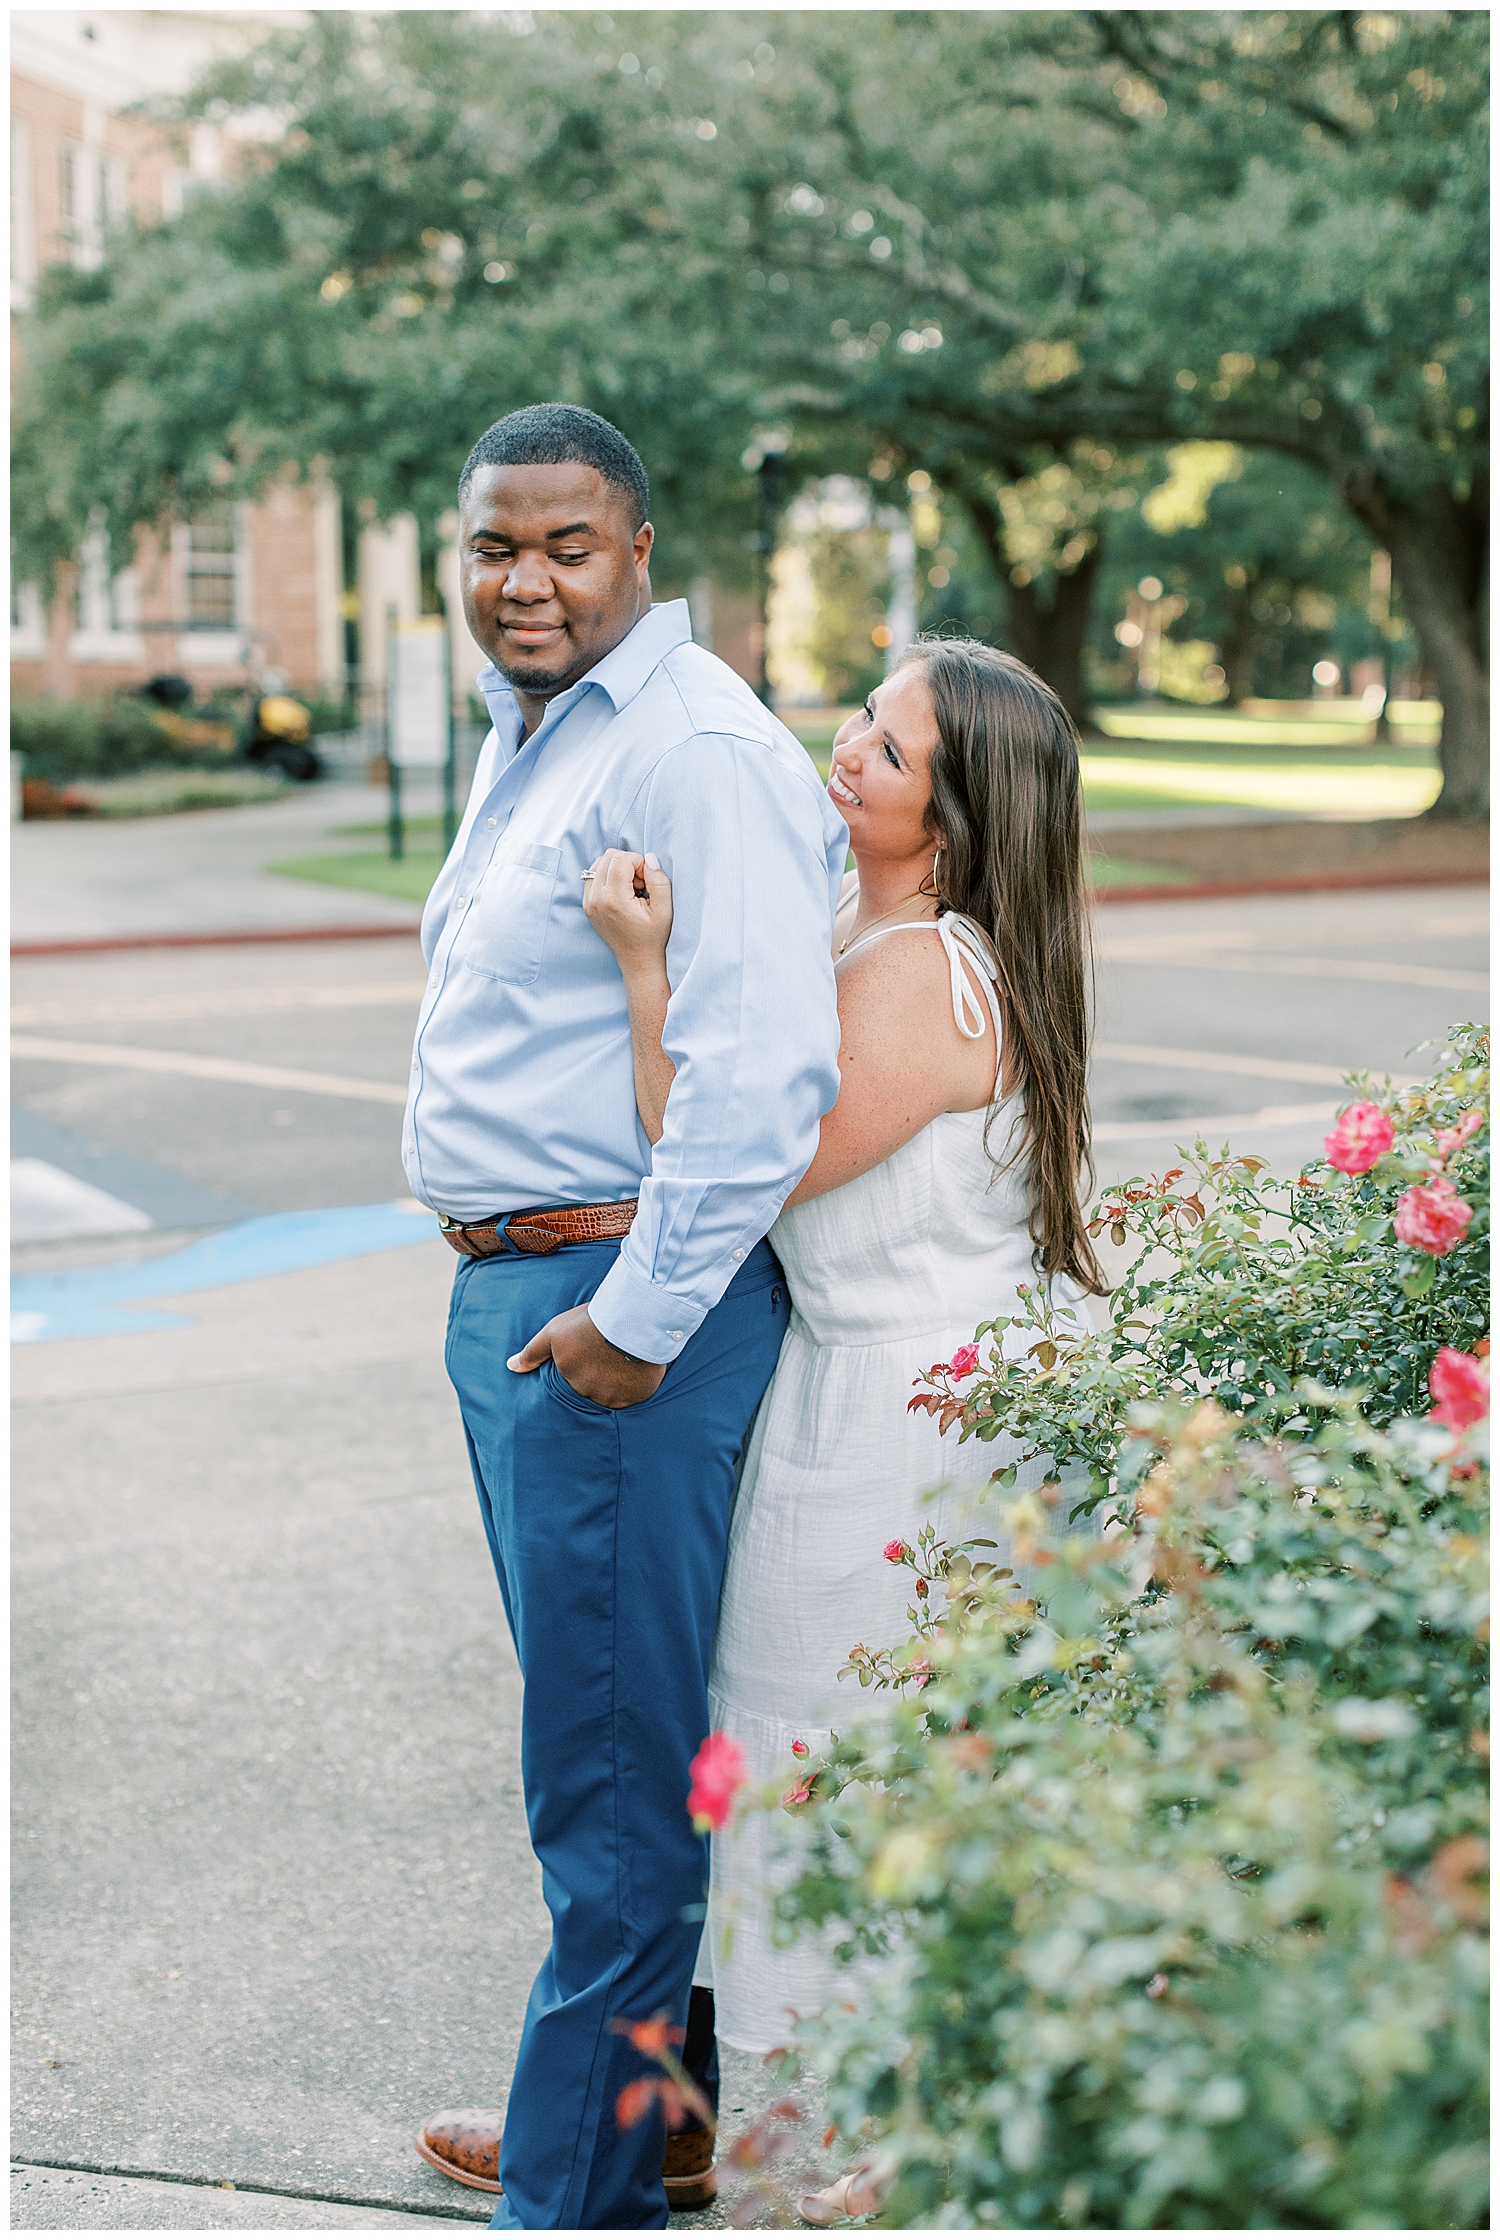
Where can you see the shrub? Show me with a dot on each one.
(1243, 1286)
(1174, 1863)
(64, 740)
(1178, 1860)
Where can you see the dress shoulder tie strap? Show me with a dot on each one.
(962, 943)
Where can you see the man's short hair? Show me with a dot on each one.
(544, 435)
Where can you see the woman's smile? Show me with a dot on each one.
(839, 790)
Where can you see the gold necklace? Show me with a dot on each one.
(880, 921)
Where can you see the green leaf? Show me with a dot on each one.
(1419, 1277)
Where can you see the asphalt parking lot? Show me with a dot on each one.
(274, 1898)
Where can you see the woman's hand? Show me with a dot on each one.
(627, 899)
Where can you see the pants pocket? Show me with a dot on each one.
(556, 1385)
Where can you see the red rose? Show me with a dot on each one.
(719, 1772)
(1432, 1216)
(1359, 1137)
(1460, 1385)
(896, 1551)
(964, 1362)
(799, 1749)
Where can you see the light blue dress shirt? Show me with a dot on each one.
(522, 1086)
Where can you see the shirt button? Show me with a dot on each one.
(490, 822)
(462, 900)
(676, 1333)
(735, 1255)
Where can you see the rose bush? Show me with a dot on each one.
(1242, 1286)
(1176, 1857)
(1178, 1863)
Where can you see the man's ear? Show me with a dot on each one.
(645, 538)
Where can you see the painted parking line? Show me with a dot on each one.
(1301, 968)
(48, 1204)
(104, 1302)
(1343, 931)
(220, 1003)
(1215, 1127)
(129, 1054)
(1224, 1061)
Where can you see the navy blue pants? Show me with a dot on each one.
(608, 1528)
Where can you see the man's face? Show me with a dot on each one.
(553, 574)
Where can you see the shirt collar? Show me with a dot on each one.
(619, 676)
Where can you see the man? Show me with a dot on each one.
(617, 1313)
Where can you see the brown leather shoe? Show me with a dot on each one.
(687, 2169)
(464, 2143)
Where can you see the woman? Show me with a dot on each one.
(946, 1176)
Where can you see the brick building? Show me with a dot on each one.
(240, 587)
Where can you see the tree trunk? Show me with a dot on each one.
(1438, 559)
(1047, 634)
(1239, 652)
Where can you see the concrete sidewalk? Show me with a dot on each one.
(204, 871)
(275, 1899)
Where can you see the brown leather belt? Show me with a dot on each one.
(539, 1229)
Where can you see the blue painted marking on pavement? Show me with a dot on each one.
(101, 1302)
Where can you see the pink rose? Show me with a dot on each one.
(964, 1362)
(1461, 1387)
(1452, 1139)
(1359, 1137)
(1432, 1216)
(896, 1551)
(718, 1772)
(799, 1749)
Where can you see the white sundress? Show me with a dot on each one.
(887, 1274)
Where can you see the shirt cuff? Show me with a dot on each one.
(641, 1317)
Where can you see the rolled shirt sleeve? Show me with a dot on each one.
(755, 854)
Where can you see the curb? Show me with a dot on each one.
(1317, 882)
(213, 940)
(1194, 890)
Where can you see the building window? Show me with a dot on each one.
(212, 566)
(22, 214)
(93, 191)
(109, 605)
(28, 622)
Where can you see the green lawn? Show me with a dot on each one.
(1113, 871)
(1309, 762)
(1194, 759)
(1336, 781)
(409, 880)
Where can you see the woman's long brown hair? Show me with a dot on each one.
(1007, 812)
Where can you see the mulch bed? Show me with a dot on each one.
(1306, 854)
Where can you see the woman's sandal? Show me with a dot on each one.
(835, 2203)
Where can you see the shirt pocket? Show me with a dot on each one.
(508, 918)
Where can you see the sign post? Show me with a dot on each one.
(419, 718)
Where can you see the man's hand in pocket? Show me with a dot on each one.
(586, 1360)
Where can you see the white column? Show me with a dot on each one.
(701, 611)
(467, 658)
(390, 580)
